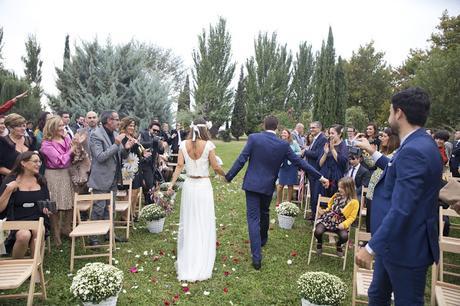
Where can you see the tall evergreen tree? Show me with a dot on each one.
(66, 52)
(269, 73)
(239, 108)
(32, 61)
(341, 92)
(302, 86)
(183, 102)
(213, 74)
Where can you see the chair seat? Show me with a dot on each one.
(121, 205)
(363, 281)
(93, 228)
(13, 275)
(447, 295)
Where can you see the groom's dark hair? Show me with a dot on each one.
(271, 123)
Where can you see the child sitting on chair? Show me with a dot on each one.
(340, 213)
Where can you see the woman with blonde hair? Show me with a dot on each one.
(340, 213)
(130, 165)
(57, 150)
(196, 243)
(288, 174)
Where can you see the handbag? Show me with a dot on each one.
(81, 165)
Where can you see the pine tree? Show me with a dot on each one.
(239, 109)
(183, 102)
(213, 74)
(302, 86)
(66, 52)
(341, 92)
(33, 63)
(269, 74)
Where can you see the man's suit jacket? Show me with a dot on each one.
(104, 159)
(266, 152)
(313, 155)
(362, 178)
(404, 219)
(455, 158)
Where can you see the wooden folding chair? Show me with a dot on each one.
(14, 272)
(447, 244)
(92, 228)
(325, 200)
(362, 278)
(362, 208)
(442, 293)
(307, 197)
(124, 207)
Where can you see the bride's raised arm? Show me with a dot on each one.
(214, 164)
(177, 171)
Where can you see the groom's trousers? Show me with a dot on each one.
(258, 217)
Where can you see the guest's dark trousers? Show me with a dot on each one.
(407, 283)
(321, 229)
(258, 217)
(368, 215)
(100, 209)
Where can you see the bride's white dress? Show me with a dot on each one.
(196, 245)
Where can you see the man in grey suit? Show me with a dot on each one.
(107, 153)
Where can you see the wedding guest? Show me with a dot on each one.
(333, 162)
(79, 124)
(177, 136)
(3, 129)
(14, 143)
(441, 138)
(372, 135)
(66, 119)
(10, 103)
(297, 135)
(360, 174)
(107, 153)
(288, 173)
(38, 133)
(351, 134)
(90, 126)
(57, 152)
(312, 155)
(389, 143)
(455, 157)
(164, 134)
(20, 191)
(128, 127)
(340, 213)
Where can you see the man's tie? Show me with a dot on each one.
(69, 132)
(352, 171)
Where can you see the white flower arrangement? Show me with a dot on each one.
(96, 282)
(152, 212)
(130, 166)
(288, 209)
(322, 288)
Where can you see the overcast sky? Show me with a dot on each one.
(395, 26)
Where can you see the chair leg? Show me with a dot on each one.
(345, 255)
(30, 297)
(311, 245)
(48, 240)
(42, 281)
(441, 266)
(72, 254)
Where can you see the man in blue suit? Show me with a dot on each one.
(455, 158)
(405, 206)
(313, 155)
(266, 152)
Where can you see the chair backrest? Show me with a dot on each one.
(91, 198)
(321, 199)
(362, 206)
(449, 212)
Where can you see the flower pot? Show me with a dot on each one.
(156, 226)
(306, 302)
(285, 222)
(111, 301)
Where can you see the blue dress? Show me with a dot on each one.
(334, 170)
(288, 172)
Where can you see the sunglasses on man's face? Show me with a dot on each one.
(156, 131)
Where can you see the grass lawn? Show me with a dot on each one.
(234, 281)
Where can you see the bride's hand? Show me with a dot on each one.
(170, 191)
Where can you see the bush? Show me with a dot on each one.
(225, 135)
(322, 288)
(96, 282)
(288, 209)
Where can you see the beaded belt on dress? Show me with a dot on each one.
(197, 177)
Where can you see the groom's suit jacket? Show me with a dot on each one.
(266, 152)
(404, 219)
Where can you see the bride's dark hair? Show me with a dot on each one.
(203, 130)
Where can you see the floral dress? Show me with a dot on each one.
(332, 218)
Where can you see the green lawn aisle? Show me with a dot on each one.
(234, 281)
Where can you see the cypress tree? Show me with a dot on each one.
(33, 63)
(183, 102)
(302, 86)
(239, 109)
(341, 92)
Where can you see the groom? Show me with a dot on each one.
(265, 152)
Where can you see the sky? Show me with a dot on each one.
(395, 26)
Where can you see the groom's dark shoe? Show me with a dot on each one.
(257, 264)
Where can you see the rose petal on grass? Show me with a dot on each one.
(293, 253)
(226, 273)
(167, 303)
(226, 290)
(185, 289)
(133, 269)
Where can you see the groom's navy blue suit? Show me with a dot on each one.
(266, 152)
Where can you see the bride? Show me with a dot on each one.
(196, 245)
